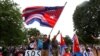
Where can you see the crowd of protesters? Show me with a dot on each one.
(48, 48)
(12, 51)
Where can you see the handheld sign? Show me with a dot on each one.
(32, 53)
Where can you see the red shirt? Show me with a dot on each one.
(67, 54)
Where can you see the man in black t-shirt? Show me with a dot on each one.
(46, 43)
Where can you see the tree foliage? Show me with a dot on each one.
(10, 23)
(87, 20)
(68, 40)
(33, 31)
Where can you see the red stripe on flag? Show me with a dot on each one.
(76, 44)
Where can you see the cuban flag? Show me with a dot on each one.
(76, 48)
(46, 16)
(62, 46)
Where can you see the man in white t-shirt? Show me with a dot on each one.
(32, 44)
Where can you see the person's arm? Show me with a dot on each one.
(28, 40)
(56, 35)
(48, 36)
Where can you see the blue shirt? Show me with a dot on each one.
(78, 54)
(40, 44)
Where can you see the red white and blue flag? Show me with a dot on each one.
(46, 16)
(62, 46)
(76, 47)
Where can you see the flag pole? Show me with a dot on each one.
(57, 20)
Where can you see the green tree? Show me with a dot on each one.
(87, 20)
(33, 31)
(10, 24)
(68, 40)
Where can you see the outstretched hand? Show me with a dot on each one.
(58, 32)
(48, 36)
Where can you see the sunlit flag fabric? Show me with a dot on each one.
(46, 16)
(76, 47)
